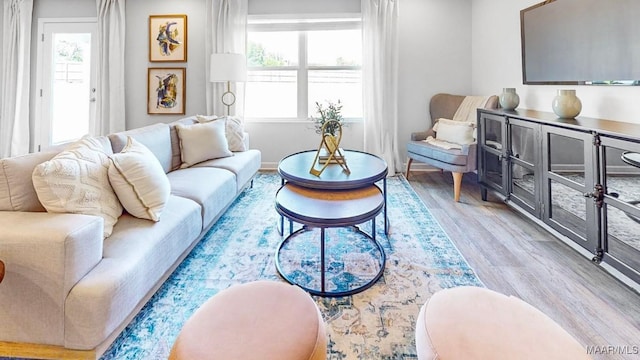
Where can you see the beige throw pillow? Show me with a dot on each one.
(76, 181)
(201, 142)
(139, 181)
(16, 187)
(457, 132)
(234, 131)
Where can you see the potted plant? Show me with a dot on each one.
(330, 112)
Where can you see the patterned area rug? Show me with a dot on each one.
(375, 324)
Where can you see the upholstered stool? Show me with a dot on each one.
(477, 323)
(257, 320)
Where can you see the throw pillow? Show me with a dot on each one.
(457, 132)
(16, 188)
(201, 142)
(234, 131)
(139, 181)
(76, 181)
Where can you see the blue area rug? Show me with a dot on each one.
(375, 324)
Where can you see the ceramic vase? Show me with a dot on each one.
(509, 99)
(566, 104)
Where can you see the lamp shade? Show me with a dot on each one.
(228, 67)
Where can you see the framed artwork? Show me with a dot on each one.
(166, 91)
(167, 38)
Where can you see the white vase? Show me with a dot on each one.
(566, 104)
(509, 100)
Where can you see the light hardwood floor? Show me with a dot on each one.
(514, 256)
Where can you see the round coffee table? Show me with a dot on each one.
(332, 200)
(366, 169)
(319, 208)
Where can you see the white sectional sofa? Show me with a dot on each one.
(68, 291)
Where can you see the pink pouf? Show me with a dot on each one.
(258, 320)
(477, 323)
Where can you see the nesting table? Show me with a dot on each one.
(333, 199)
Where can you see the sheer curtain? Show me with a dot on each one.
(15, 76)
(228, 34)
(110, 110)
(380, 84)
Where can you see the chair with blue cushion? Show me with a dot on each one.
(455, 152)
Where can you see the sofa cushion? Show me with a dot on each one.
(155, 137)
(137, 257)
(76, 181)
(201, 142)
(139, 181)
(234, 131)
(212, 188)
(243, 164)
(16, 188)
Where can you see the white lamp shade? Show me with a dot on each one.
(228, 67)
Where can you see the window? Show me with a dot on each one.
(292, 64)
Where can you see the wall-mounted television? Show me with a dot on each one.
(581, 42)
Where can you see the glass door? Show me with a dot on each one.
(569, 180)
(524, 181)
(620, 169)
(66, 80)
(491, 153)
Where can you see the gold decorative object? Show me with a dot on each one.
(331, 144)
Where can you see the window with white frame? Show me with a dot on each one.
(294, 63)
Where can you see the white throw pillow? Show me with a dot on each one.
(76, 181)
(457, 132)
(201, 142)
(139, 181)
(234, 130)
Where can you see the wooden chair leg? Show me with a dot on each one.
(1, 271)
(457, 183)
(406, 174)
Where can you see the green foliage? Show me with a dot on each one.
(331, 112)
(258, 56)
(69, 51)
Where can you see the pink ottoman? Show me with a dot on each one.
(258, 320)
(477, 323)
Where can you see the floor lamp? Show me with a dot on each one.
(227, 68)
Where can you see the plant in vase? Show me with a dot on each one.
(330, 112)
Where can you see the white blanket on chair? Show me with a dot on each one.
(467, 109)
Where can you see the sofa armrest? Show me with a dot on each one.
(45, 255)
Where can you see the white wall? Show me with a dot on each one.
(435, 56)
(497, 63)
(137, 58)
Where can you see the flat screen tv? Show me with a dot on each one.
(581, 42)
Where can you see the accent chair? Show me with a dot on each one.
(453, 148)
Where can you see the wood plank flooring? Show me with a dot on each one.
(513, 255)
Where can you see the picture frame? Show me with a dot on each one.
(167, 38)
(166, 90)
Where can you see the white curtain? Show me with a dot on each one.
(380, 80)
(227, 34)
(15, 77)
(110, 97)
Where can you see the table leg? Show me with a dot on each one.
(322, 259)
(373, 228)
(384, 194)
